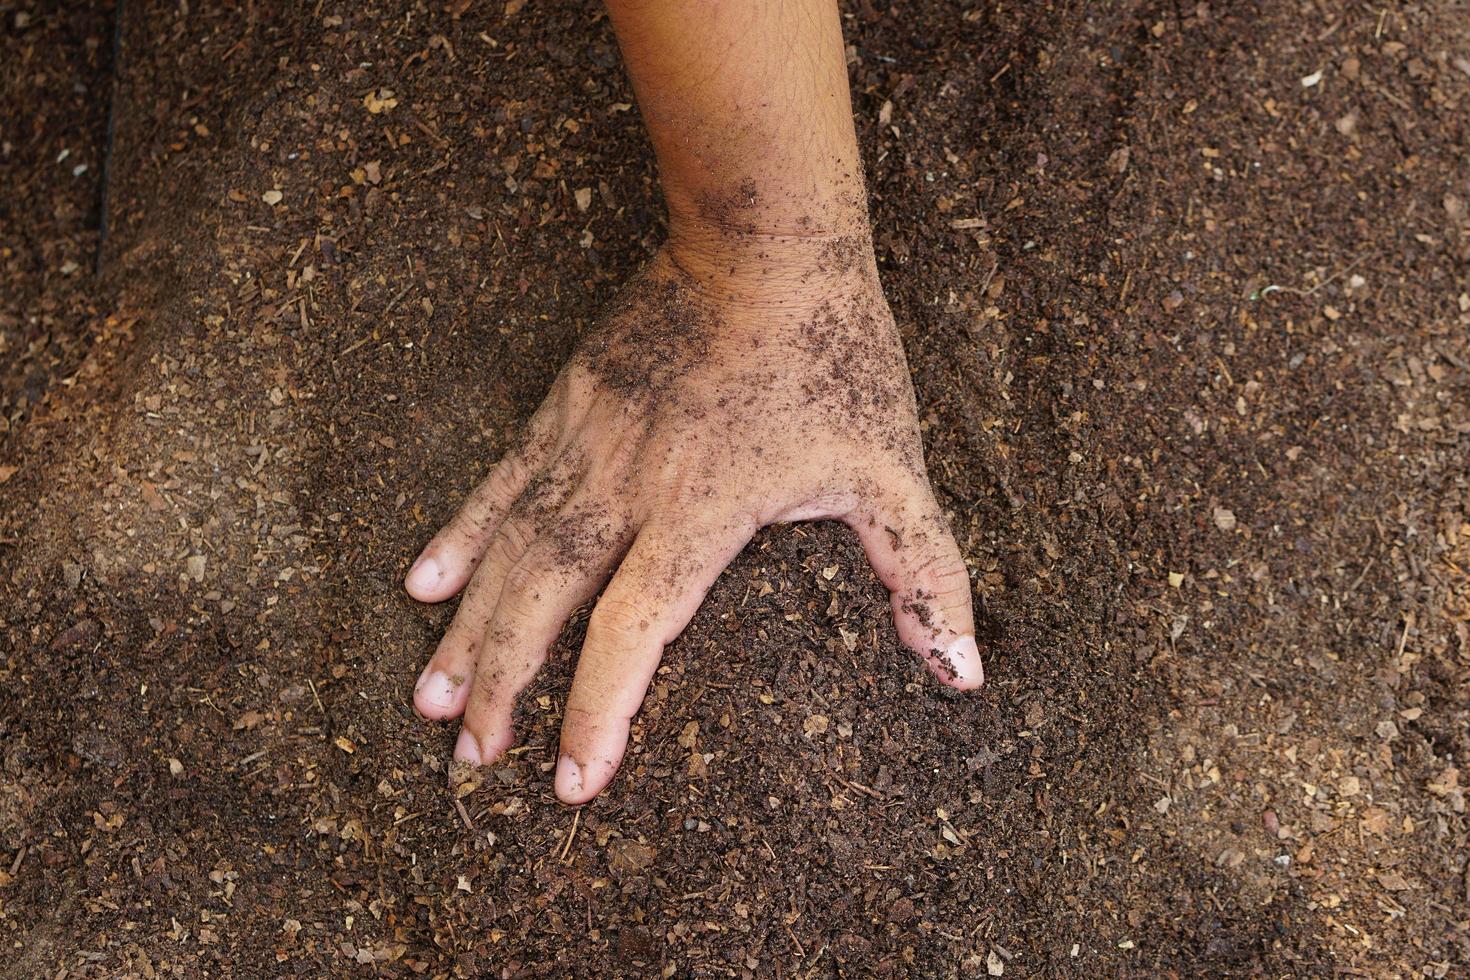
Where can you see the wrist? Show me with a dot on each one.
(771, 269)
(809, 202)
(762, 252)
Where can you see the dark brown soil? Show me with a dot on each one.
(1186, 292)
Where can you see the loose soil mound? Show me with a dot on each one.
(1186, 291)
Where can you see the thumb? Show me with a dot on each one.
(909, 544)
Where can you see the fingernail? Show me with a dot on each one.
(467, 749)
(960, 663)
(437, 690)
(569, 780)
(424, 575)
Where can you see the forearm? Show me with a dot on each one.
(747, 106)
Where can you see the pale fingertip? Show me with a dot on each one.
(422, 581)
(436, 695)
(571, 782)
(958, 664)
(467, 749)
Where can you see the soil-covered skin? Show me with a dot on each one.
(1184, 290)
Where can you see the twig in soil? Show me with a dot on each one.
(567, 847)
(464, 814)
(1450, 356)
(297, 254)
(429, 132)
(800, 950)
(1229, 378)
(394, 301)
(860, 788)
(990, 276)
(1361, 575)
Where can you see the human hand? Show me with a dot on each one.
(717, 395)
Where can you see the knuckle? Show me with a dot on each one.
(576, 720)
(505, 481)
(574, 389)
(495, 681)
(455, 649)
(687, 490)
(625, 455)
(616, 622)
(487, 504)
(523, 585)
(686, 493)
(931, 566)
(515, 537)
(950, 575)
(468, 530)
